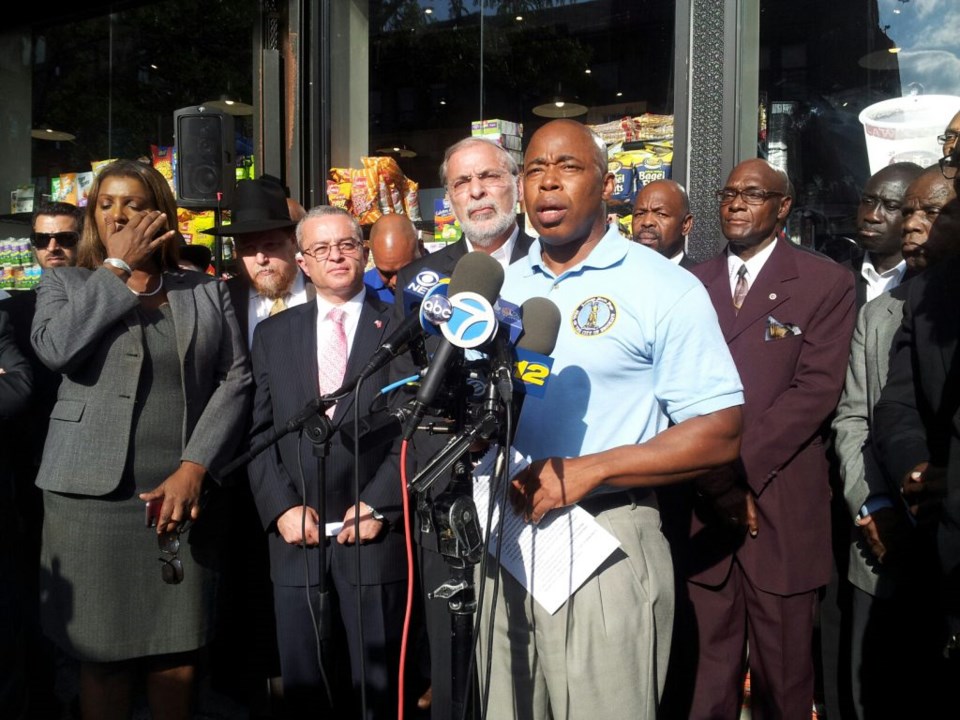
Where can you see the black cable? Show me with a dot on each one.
(356, 542)
(306, 566)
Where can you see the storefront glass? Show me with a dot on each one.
(436, 68)
(844, 89)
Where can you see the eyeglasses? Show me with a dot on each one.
(949, 165)
(320, 252)
(172, 569)
(487, 179)
(949, 136)
(41, 240)
(751, 196)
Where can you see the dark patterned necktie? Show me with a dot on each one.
(741, 289)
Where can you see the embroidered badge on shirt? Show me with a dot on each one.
(594, 316)
(777, 330)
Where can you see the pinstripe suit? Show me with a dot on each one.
(285, 373)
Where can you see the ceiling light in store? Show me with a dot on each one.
(45, 133)
(398, 151)
(893, 50)
(587, 71)
(619, 94)
(428, 11)
(519, 18)
(443, 102)
(230, 105)
(560, 108)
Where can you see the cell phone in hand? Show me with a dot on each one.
(152, 512)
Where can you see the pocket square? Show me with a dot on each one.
(777, 330)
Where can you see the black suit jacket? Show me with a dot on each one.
(424, 446)
(285, 372)
(917, 418)
(30, 431)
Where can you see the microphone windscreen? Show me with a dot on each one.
(477, 272)
(541, 324)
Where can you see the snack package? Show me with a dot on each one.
(338, 194)
(97, 165)
(84, 181)
(364, 196)
(446, 229)
(624, 182)
(411, 200)
(340, 187)
(161, 157)
(68, 188)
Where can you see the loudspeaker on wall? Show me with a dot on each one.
(206, 160)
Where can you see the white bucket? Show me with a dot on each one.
(905, 129)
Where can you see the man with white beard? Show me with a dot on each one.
(483, 186)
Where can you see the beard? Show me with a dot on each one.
(275, 284)
(486, 232)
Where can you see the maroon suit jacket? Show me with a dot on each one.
(791, 388)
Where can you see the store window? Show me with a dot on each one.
(82, 90)
(435, 69)
(846, 88)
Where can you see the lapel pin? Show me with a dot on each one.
(378, 323)
(773, 296)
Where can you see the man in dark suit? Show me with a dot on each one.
(15, 385)
(298, 355)
(262, 226)
(916, 432)
(879, 266)
(483, 184)
(787, 315)
(56, 229)
(662, 220)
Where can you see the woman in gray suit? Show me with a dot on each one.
(154, 393)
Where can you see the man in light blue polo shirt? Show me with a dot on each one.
(639, 347)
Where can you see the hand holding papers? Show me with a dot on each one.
(551, 559)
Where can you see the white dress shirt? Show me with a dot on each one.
(879, 282)
(754, 266)
(258, 306)
(503, 253)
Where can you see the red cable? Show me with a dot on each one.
(409, 544)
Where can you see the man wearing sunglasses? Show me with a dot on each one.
(55, 233)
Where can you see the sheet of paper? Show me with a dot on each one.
(551, 559)
(333, 528)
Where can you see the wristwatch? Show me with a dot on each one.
(376, 515)
(119, 264)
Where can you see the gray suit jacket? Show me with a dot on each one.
(860, 469)
(85, 327)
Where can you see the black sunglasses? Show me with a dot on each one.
(41, 240)
(172, 569)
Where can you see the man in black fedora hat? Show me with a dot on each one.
(263, 236)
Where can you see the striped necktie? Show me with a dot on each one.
(332, 358)
(741, 289)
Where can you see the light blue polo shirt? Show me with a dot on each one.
(639, 346)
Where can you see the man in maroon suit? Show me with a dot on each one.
(787, 315)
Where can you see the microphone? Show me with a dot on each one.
(476, 277)
(410, 329)
(541, 325)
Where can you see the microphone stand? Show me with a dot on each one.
(318, 430)
(460, 541)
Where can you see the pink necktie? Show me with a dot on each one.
(741, 288)
(332, 360)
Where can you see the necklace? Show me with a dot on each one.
(152, 292)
